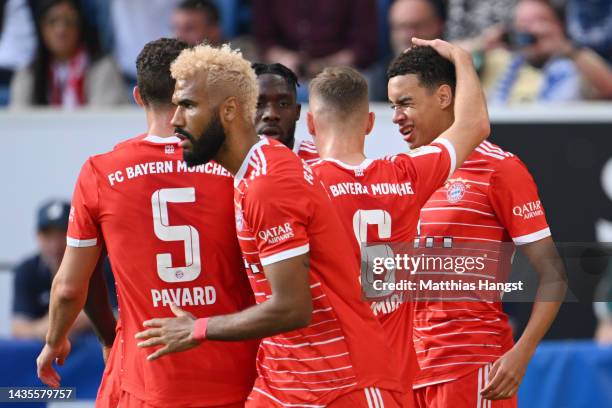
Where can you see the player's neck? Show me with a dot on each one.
(159, 122)
(345, 148)
(235, 149)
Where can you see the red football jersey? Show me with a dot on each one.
(489, 200)
(282, 211)
(307, 151)
(170, 235)
(378, 201)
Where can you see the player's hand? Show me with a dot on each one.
(44, 363)
(173, 333)
(447, 50)
(506, 374)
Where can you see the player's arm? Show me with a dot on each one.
(99, 310)
(288, 308)
(471, 125)
(507, 372)
(515, 200)
(68, 295)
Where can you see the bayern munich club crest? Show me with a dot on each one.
(455, 190)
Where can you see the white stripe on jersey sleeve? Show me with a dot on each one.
(281, 256)
(533, 237)
(81, 243)
(451, 152)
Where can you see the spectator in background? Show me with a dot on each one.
(470, 18)
(135, 23)
(589, 24)
(407, 18)
(68, 70)
(542, 64)
(17, 41)
(423, 19)
(32, 284)
(196, 21)
(307, 36)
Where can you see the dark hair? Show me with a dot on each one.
(431, 68)
(341, 88)
(153, 78)
(277, 69)
(42, 59)
(208, 7)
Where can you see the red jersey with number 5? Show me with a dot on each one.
(170, 235)
(378, 201)
(282, 211)
(490, 200)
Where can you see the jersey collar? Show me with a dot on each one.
(162, 140)
(363, 165)
(245, 163)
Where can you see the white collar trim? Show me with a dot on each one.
(162, 140)
(363, 165)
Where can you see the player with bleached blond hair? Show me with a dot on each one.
(321, 345)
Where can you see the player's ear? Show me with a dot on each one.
(371, 120)
(310, 123)
(445, 96)
(229, 109)
(137, 96)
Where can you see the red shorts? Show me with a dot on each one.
(110, 387)
(461, 393)
(130, 401)
(370, 397)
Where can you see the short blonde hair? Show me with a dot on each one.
(224, 67)
(341, 89)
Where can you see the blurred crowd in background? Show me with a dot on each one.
(73, 53)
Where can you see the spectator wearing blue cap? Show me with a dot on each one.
(32, 283)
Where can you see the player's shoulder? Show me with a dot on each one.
(491, 153)
(307, 151)
(268, 162)
(307, 146)
(119, 149)
(504, 164)
(129, 142)
(275, 153)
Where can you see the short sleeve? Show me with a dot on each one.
(430, 166)
(514, 197)
(83, 228)
(276, 212)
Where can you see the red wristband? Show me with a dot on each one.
(199, 330)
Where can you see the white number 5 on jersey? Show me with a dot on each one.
(166, 232)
